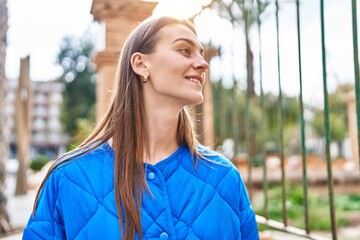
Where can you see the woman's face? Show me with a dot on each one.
(176, 67)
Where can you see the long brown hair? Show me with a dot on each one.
(123, 123)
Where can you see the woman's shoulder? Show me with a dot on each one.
(91, 171)
(212, 167)
(210, 155)
(222, 170)
(86, 163)
(87, 157)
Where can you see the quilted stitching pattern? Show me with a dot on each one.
(186, 203)
(207, 207)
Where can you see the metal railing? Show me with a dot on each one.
(248, 138)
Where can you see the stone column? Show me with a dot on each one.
(119, 18)
(207, 122)
(352, 124)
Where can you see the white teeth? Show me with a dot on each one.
(195, 80)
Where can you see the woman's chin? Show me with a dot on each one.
(197, 100)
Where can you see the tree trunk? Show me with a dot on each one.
(250, 70)
(340, 149)
(252, 96)
(4, 131)
(22, 125)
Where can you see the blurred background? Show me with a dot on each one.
(281, 99)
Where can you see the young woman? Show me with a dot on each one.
(141, 174)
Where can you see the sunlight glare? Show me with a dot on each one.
(179, 8)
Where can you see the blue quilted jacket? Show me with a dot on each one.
(210, 202)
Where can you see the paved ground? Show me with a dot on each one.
(19, 207)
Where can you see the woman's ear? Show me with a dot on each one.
(138, 63)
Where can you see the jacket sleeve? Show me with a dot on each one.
(46, 223)
(248, 225)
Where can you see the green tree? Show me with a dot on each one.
(84, 126)
(243, 14)
(79, 79)
(223, 109)
(290, 109)
(337, 117)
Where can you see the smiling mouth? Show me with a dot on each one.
(194, 80)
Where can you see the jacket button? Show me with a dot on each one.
(151, 175)
(164, 236)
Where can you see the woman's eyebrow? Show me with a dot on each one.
(191, 42)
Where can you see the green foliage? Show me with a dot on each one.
(290, 106)
(338, 121)
(349, 202)
(230, 117)
(338, 125)
(79, 79)
(38, 162)
(235, 12)
(230, 113)
(337, 115)
(84, 127)
(318, 207)
(243, 14)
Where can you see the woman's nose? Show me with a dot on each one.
(200, 63)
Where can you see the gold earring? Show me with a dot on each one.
(145, 79)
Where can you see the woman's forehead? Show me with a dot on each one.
(176, 32)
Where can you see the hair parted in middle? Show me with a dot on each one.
(123, 124)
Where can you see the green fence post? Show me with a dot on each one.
(356, 71)
(302, 122)
(327, 126)
(281, 120)
(263, 122)
(247, 106)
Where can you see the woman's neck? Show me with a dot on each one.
(162, 134)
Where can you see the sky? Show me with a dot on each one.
(37, 27)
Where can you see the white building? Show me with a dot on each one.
(47, 137)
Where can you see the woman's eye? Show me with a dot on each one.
(185, 50)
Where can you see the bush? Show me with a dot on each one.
(38, 162)
(317, 203)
